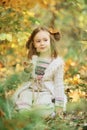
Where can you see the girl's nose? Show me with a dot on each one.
(42, 43)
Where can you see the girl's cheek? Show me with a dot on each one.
(36, 45)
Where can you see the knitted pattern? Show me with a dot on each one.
(51, 73)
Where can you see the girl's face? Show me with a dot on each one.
(42, 41)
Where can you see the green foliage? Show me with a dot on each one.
(70, 17)
(12, 81)
(33, 119)
(9, 19)
(74, 106)
(25, 120)
(4, 36)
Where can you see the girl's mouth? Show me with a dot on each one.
(42, 47)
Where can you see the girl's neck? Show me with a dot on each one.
(45, 55)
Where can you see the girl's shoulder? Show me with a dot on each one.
(59, 58)
(34, 57)
(54, 65)
(58, 61)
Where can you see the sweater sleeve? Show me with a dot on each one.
(54, 75)
(59, 85)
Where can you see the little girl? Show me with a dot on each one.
(46, 88)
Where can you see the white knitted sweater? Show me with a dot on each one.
(52, 80)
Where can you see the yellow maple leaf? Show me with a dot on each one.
(19, 68)
(74, 95)
(76, 79)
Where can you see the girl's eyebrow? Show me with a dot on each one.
(45, 38)
(40, 39)
(37, 39)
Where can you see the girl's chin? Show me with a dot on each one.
(42, 50)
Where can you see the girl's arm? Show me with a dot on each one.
(54, 79)
(59, 85)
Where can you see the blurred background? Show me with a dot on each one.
(17, 20)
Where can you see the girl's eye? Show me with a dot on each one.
(38, 41)
(45, 40)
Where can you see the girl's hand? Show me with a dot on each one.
(28, 67)
(25, 64)
(59, 110)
